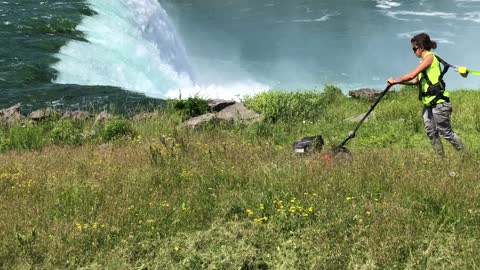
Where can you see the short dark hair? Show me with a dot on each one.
(423, 40)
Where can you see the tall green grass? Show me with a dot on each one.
(229, 196)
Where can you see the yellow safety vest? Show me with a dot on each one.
(433, 73)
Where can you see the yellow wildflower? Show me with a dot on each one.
(260, 220)
(249, 212)
(310, 209)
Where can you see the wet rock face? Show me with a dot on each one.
(11, 115)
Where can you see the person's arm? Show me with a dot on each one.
(411, 82)
(411, 77)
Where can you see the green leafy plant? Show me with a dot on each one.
(23, 137)
(303, 105)
(190, 107)
(116, 129)
(64, 132)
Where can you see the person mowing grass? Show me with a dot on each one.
(437, 108)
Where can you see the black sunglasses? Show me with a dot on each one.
(415, 49)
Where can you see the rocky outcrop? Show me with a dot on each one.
(216, 105)
(40, 115)
(102, 117)
(365, 93)
(197, 121)
(14, 115)
(11, 115)
(238, 112)
(44, 114)
(76, 115)
(232, 112)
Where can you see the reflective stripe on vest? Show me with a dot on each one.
(433, 73)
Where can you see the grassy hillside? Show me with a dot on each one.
(143, 194)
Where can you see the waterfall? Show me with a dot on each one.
(132, 44)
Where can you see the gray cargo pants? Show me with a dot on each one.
(437, 122)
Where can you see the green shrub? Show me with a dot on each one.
(304, 105)
(23, 138)
(116, 129)
(64, 132)
(190, 107)
(331, 94)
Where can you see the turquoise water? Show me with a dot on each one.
(96, 52)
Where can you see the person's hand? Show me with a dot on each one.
(391, 81)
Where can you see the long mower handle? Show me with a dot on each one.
(352, 134)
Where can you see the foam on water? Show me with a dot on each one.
(321, 19)
(385, 4)
(407, 15)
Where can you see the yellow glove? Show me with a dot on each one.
(463, 71)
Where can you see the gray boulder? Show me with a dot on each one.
(365, 93)
(216, 105)
(197, 121)
(102, 117)
(43, 114)
(11, 115)
(76, 115)
(235, 112)
(238, 112)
